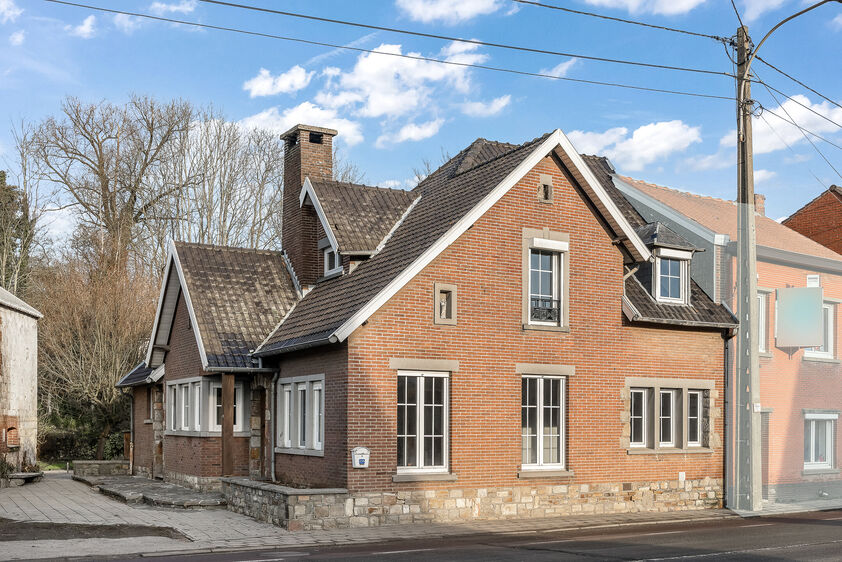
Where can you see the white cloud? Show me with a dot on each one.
(753, 9)
(837, 22)
(719, 161)
(448, 11)
(665, 7)
(183, 7)
(778, 133)
(17, 38)
(393, 184)
(763, 175)
(280, 121)
(9, 11)
(126, 24)
(486, 109)
(411, 132)
(384, 85)
(646, 144)
(264, 84)
(561, 69)
(85, 30)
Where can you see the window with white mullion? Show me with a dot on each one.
(826, 349)
(694, 418)
(422, 414)
(184, 396)
(286, 418)
(542, 421)
(762, 322)
(819, 450)
(172, 410)
(301, 406)
(197, 409)
(638, 417)
(545, 286)
(666, 418)
(318, 416)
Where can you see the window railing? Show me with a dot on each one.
(544, 309)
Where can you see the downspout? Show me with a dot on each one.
(272, 425)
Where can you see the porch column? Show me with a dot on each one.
(228, 424)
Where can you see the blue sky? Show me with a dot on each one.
(393, 112)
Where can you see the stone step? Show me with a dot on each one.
(133, 490)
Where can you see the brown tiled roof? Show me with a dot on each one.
(446, 196)
(238, 297)
(720, 216)
(360, 216)
(701, 312)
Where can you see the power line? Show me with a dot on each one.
(621, 20)
(398, 55)
(460, 40)
(736, 11)
(797, 81)
(805, 133)
(803, 130)
(807, 107)
(771, 128)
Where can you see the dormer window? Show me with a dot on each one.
(671, 276)
(332, 264)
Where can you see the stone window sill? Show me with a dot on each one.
(689, 450)
(147, 421)
(819, 471)
(424, 477)
(820, 359)
(543, 328)
(538, 473)
(765, 355)
(302, 452)
(181, 433)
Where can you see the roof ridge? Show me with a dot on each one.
(821, 194)
(207, 246)
(512, 148)
(361, 185)
(679, 191)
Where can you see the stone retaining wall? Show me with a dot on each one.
(302, 509)
(101, 468)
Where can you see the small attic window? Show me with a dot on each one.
(316, 138)
(332, 263)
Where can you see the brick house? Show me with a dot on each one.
(800, 392)
(18, 381)
(821, 219)
(509, 339)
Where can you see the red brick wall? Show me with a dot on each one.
(486, 266)
(143, 433)
(327, 471)
(821, 220)
(198, 456)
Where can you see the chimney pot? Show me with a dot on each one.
(760, 204)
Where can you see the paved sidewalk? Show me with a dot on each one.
(59, 499)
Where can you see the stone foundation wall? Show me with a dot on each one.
(201, 483)
(302, 509)
(101, 468)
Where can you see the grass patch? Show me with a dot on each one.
(53, 465)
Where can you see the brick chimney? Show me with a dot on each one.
(308, 153)
(760, 204)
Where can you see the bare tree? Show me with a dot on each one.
(105, 157)
(344, 170)
(427, 166)
(94, 328)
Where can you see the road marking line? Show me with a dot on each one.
(757, 525)
(658, 533)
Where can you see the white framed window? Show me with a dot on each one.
(301, 405)
(819, 440)
(217, 409)
(826, 349)
(197, 410)
(332, 263)
(638, 417)
(423, 430)
(542, 417)
(184, 402)
(172, 407)
(762, 322)
(694, 418)
(670, 280)
(666, 418)
(545, 290)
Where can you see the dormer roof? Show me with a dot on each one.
(658, 235)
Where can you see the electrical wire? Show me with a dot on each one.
(807, 107)
(621, 20)
(736, 11)
(794, 124)
(804, 132)
(797, 81)
(398, 55)
(460, 40)
(771, 128)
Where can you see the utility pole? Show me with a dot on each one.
(746, 459)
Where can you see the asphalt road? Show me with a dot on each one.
(809, 536)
